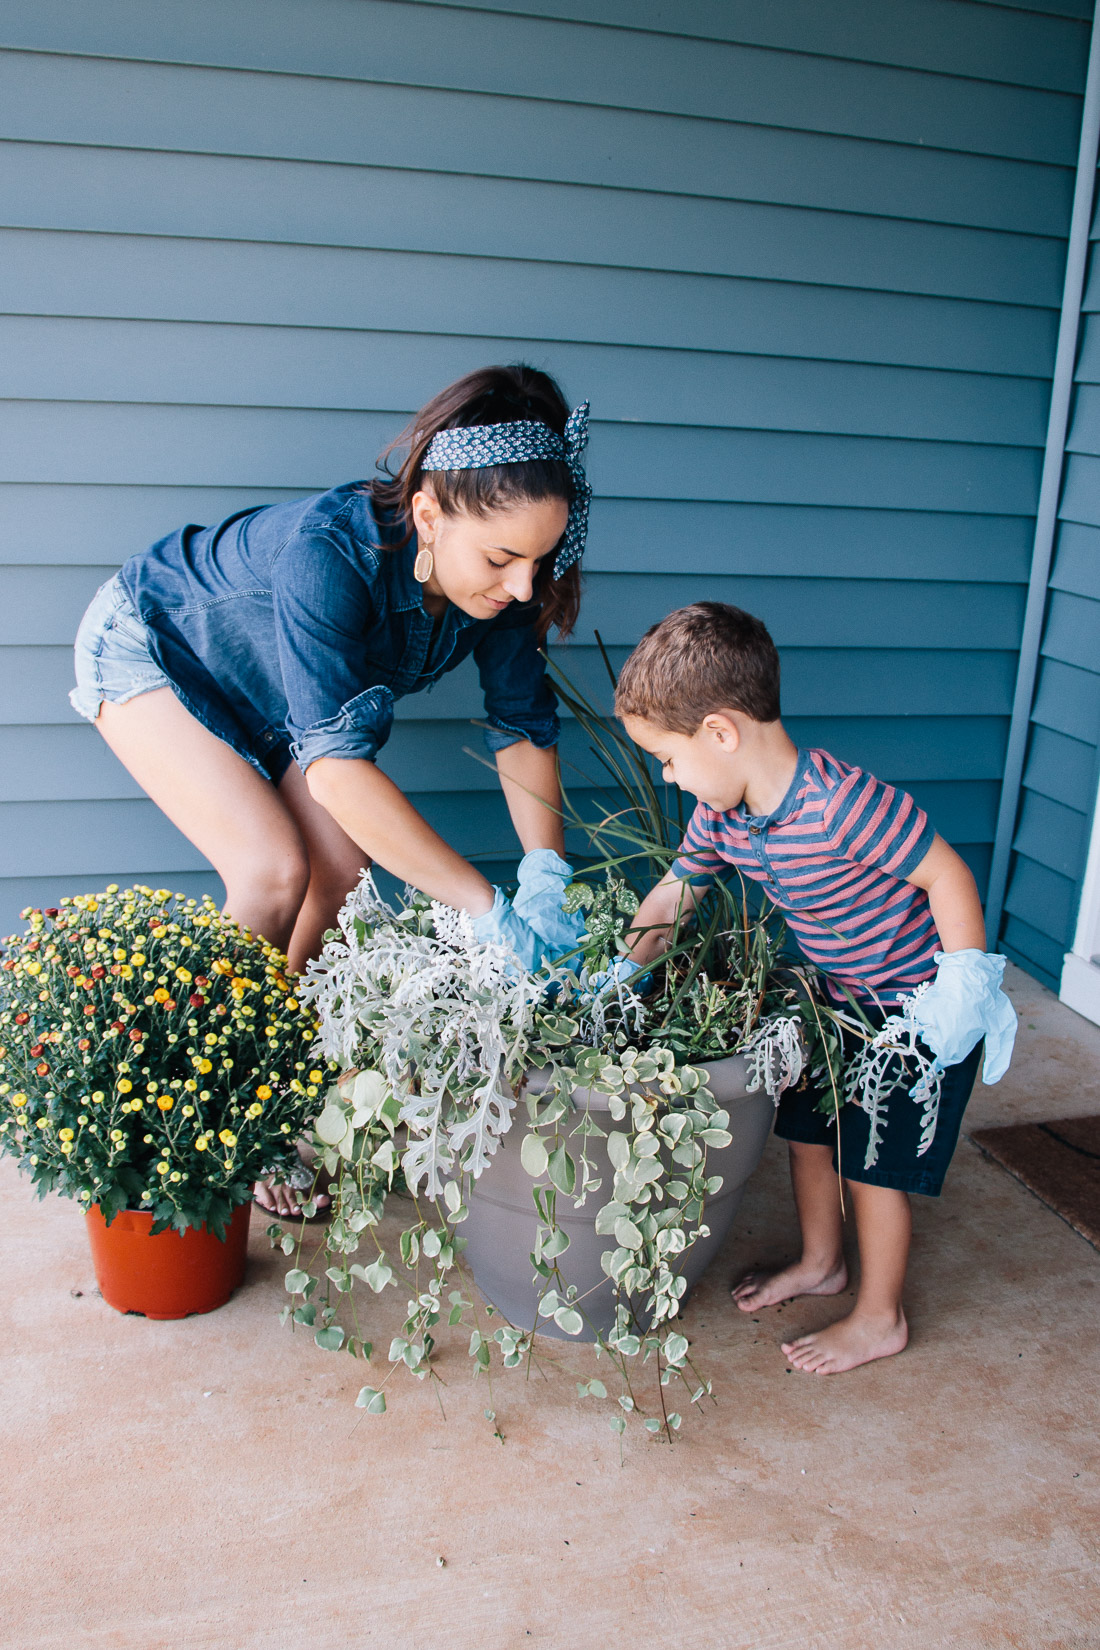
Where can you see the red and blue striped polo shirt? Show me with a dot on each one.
(833, 856)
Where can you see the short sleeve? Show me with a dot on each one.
(872, 823)
(698, 859)
(519, 701)
(323, 609)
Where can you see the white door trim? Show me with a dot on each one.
(1080, 985)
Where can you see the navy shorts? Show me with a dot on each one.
(899, 1125)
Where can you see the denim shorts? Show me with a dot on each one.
(897, 1163)
(112, 655)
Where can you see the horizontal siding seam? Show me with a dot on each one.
(873, 64)
(921, 294)
(585, 103)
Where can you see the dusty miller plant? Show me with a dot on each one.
(437, 1034)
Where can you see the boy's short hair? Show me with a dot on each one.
(702, 658)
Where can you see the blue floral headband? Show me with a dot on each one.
(476, 446)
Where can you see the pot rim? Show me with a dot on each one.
(596, 1101)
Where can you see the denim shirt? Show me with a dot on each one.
(289, 630)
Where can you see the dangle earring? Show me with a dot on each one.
(424, 564)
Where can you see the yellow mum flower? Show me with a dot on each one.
(165, 1102)
(124, 1085)
(183, 974)
(65, 1134)
(119, 954)
(201, 1143)
(135, 1103)
(204, 1065)
(227, 1137)
(137, 958)
(66, 1147)
(255, 1110)
(316, 1076)
(210, 1039)
(160, 995)
(117, 1135)
(263, 1092)
(162, 1168)
(292, 1003)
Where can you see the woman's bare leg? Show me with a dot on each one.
(335, 863)
(232, 814)
(221, 803)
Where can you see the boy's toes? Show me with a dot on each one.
(803, 1353)
(747, 1292)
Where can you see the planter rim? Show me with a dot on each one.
(534, 1080)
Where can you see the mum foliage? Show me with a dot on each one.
(153, 1055)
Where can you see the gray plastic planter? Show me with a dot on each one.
(500, 1229)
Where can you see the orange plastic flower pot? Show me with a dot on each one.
(172, 1274)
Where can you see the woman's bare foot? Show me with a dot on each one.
(758, 1289)
(855, 1340)
(285, 1198)
(284, 1202)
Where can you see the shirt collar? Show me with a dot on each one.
(787, 805)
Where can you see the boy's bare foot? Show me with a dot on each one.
(758, 1289)
(845, 1345)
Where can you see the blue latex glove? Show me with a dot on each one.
(622, 972)
(501, 926)
(965, 1003)
(543, 878)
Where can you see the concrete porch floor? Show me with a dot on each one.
(207, 1485)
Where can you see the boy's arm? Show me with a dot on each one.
(658, 915)
(953, 897)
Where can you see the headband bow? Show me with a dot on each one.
(476, 446)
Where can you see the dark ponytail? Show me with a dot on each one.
(492, 395)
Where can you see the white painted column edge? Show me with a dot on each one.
(1080, 984)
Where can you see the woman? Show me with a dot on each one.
(246, 674)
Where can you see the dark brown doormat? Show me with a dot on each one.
(1059, 1162)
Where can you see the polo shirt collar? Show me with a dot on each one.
(788, 803)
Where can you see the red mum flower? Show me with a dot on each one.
(36, 1050)
(89, 1008)
(98, 972)
(42, 1068)
(196, 999)
(51, 911)
(137, 1036)
(117, 1025)
(84, 1042)
(201, 981)
(21, 1019)
(72, 971)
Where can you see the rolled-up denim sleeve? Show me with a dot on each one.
(519, 701)
(323, 610)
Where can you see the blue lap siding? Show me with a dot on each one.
(805, 261)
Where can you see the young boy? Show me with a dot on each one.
(872, 895)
